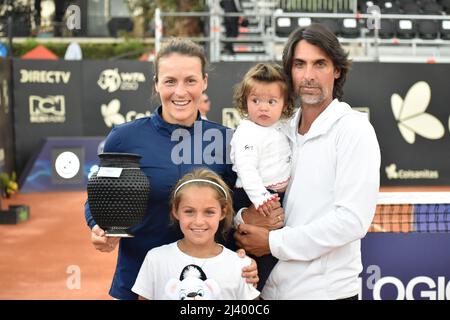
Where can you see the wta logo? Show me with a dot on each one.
(411, 117)
(112, 80)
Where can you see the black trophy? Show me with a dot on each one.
(118, 193)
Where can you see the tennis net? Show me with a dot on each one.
(412, 212)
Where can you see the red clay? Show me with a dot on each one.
(36, 255)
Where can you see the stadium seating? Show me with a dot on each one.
(349, 28)
(428, 29)
(445, 29)
(405, 29)
(387, 29)
(284, 26)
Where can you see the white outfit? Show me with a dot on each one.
(166, 262)
(329, 206)
(261, 156)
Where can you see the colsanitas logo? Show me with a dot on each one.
(44, 76)
(111, 80)
(393, 173)
(49, 109)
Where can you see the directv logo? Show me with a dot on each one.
(44, 76)
(393, 173)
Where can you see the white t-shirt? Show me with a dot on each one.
(159, 276)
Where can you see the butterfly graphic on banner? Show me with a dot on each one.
(110, 113)
(411, 116)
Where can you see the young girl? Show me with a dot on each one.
(260, 150)
(196, 267)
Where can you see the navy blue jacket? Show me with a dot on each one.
(162, 147)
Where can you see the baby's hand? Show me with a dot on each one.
(266, 208)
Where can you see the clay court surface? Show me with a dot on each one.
(36, 255)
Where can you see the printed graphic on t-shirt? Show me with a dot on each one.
(192, 285)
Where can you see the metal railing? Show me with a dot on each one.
(268, 38)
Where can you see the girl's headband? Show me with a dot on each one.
(201, 180)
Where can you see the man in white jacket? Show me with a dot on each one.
(331, 199)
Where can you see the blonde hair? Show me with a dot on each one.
(205, 178)
(265, 73)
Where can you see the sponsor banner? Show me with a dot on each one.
(410, 266)
(6, 119)
(47, 99)
(221, 80)
(115, 92)
(63, 164)
(409, 109)
(406, 103)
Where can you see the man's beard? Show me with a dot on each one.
(310, 99)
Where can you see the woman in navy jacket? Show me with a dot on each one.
(172, 141)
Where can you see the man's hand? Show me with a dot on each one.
(102, 242)
(253, 239)
(274, 220)
(250, 272)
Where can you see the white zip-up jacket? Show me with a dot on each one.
(261, 157)
(329, 206)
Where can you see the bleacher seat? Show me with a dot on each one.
(446, 6)
(387, 29)
(431, 8)
(445, 29)
(411, 8)
(390, 7)
(284, 26)
(304, 22)
(405, 29)
(428, 29)
(349, 28)
(330, 24)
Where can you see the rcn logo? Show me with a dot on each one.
(112, 80)
(411, 116)
(48, 109)
(111, 115)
